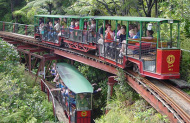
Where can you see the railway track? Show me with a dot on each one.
(155, 87)
(170, 98)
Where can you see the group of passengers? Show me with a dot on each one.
(120, 41)
(50, 31)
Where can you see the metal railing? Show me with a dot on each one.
(17, 28)
(45, 88)
(185, 63)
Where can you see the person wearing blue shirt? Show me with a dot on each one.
(133, 36)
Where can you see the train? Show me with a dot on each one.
(150, 46)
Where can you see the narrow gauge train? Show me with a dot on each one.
(77, 102)
(157, 56)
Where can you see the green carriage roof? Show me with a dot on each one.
(73, 79)
(58, 16)
(122, 18)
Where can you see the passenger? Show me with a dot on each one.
(57, 26)
(109, 37)
(122, 35)
(60, 87)
(137, 30)
(41, 28)
(95, 91)
(149, 35)
(72, 26)
(131, 34)
(76, 25)
(56, 79)
(53, 69)
(82, 103)
(92, 27)
(118, 30)
(101, 30)
(50, 31)
(100, 40)
(56, 32)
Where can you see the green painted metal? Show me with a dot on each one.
(178, 43)
(121, 18)
(73, 79)
(158, 34)
(58, 16)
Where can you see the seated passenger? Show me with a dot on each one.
(137, 30)
(132, 36)
(82, 103)
(118, 30)
(149, 34)
(60, 87)
(122, 35)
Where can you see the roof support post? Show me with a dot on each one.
(158, 34)
(127, 35)
(140, 40)
(178, 35)
(171, 35)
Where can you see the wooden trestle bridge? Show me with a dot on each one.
(165, 98)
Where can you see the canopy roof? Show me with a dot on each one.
(58, 16)
(73, 79)
(122, 18)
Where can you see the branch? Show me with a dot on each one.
(106, 6)
(149, 9)
(143, 7)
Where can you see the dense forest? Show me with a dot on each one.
(21, 98)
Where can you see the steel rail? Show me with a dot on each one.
(170, 101)
(181, 93)
(155, 91)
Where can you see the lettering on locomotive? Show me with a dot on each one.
(170, 60)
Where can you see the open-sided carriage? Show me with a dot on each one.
(78, 105)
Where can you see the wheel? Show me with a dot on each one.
(136, 68)
(129, 64)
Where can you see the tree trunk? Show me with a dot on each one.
(12, 8)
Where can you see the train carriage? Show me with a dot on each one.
(157, 57)
(78, 108)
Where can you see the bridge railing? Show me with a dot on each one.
(185, 63)
(17, 28)
(47, 90)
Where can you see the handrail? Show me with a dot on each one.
(185, 50)
(53, 101)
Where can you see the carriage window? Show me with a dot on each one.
(169, 35)
(84, 101)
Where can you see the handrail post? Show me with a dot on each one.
(3, 26)
(48, 93)
(25, 29)
(13, 28)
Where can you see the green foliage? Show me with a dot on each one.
(123, 110)
(20, 100)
